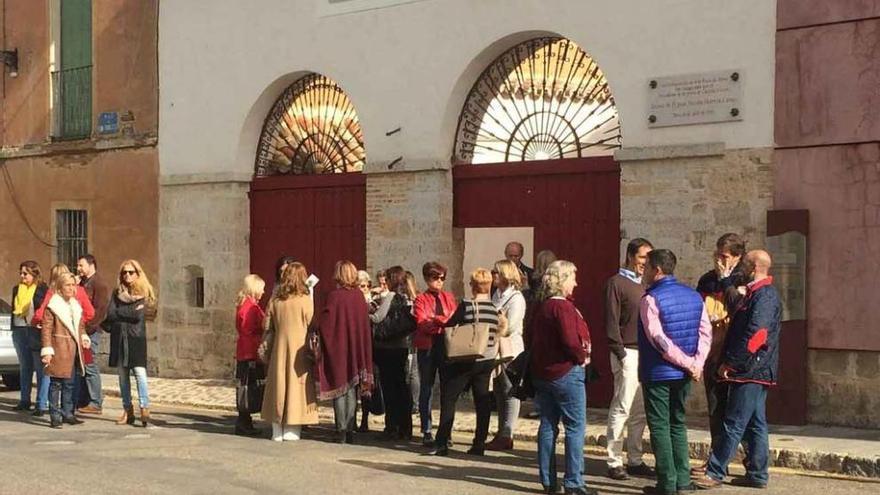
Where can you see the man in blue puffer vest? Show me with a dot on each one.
(748, 364)
(674, 339)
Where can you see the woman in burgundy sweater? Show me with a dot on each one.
(560, 351)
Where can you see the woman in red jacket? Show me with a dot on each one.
(81, 297)
(432, 309)
(249, 325)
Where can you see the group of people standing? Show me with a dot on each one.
(57, 331)
(363, 343)
(664, 335)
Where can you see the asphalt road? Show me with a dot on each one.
(193, 451)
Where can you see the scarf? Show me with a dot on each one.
(127, 297)
(23, 299)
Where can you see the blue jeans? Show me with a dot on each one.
(42, 381)
(428, 367)
(745, 419)
(25, 363)
(564, 398)
(93, 374)
(61, 392)
(140, 374)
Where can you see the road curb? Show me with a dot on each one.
(812, 461)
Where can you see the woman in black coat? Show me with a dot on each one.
(132, 300)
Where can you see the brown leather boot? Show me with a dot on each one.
(127, 417)
(145, 416)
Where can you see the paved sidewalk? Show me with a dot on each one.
(847, 451)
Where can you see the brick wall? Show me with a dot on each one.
(409, 221)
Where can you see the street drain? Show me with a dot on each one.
(56, 442)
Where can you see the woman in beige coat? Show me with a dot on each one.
(290, 400)
(63, 338)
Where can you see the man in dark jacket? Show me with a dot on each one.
(749, 365)
(99, 295)
(720, 289)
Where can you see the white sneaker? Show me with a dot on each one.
(277, 432)
(291, 433)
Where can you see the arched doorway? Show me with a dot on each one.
(308, 197)
(533, 152)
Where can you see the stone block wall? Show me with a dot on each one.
(202, 223)
(409, 222)
(842, 388)
(685, 203)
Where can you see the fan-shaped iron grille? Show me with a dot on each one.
(543, 99)
(312, 129)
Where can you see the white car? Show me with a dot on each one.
(8, 357)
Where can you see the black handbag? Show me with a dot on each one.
(399, 322)
(520, 377)
(250, 387)
(375, 403)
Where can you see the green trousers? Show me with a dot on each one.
(664, 409)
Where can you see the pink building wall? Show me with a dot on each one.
(828, 160)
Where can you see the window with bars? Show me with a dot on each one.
(71, 236)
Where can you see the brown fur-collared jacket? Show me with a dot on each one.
(63, 336)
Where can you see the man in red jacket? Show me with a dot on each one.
(432, 309)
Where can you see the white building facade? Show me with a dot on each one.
(408, 69)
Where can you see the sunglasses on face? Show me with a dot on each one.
(128, 272)
(438, 277)
(363, 286)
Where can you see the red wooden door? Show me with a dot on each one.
(574, 208)
(317, 219)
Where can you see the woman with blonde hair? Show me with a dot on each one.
(27, 296)
(290, 400)
(346, 364)
(248, 370)
(88, 314)
(511, 303)
(560, 351)
(133, 299)
(63, 339)
(456, 376)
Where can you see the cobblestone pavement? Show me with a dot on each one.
(814, 448)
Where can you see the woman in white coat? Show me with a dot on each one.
(512, 305)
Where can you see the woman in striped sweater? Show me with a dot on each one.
(456, 376)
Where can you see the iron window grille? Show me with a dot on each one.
(71, 236)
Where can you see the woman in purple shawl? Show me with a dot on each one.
(346, 364)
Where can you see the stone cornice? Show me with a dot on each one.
(205, 178)
(670, 151)
(76, 147)
(404, 165)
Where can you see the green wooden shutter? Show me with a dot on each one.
(76, 68)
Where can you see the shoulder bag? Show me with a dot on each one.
(468, 341)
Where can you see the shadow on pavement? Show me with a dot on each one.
(484, 471)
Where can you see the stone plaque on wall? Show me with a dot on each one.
(337, 7)
(789, 270)
(701, 98)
